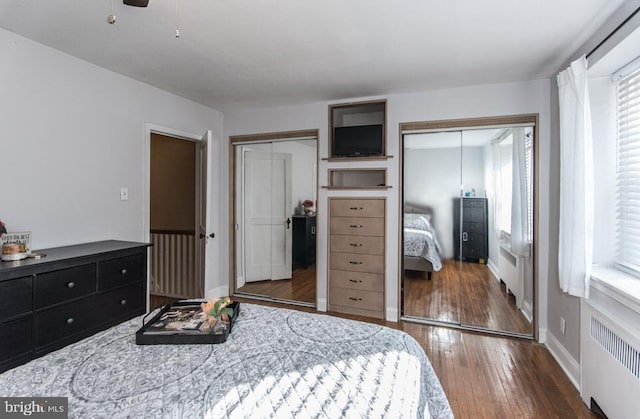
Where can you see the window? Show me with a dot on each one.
(628, 172)
(506, 177)
(528, 149)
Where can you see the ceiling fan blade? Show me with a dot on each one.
(136, 3)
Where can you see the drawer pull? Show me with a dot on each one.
(71, 284)
(356, 208)
(355, 263)
(355, 299)
(70, 320)
(355, 244)
(123, 271)
(355, 281)
(355, 226)
(123, 302)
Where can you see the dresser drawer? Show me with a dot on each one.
(471, 203)
(65, 320)
(357, 244)
(16, 297)
(115, 272)
(357, 226)
(356, 207)
(356, 280)
(367, 300)
(473, 214)
(116, 303)
(65, 284)
(473, 227)
(15, 338)
(357, 262)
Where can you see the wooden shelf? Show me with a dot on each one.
(359, 116)
(358, 178)
(350, 159)
(356, 188)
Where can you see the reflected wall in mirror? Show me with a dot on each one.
(468, 227)
(275, 233)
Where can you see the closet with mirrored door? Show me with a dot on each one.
(273, 205)
(468, 224)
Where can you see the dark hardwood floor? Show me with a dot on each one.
(156, 301)
(301, 287)
(463, 293)
(490, 377)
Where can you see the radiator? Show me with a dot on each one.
(610, 360)
(510, 269)
(173, 267)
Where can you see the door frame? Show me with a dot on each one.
(466, 124)
(149, 129)
(233, 241)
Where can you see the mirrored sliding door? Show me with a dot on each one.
(274, 232)
(433, 163)
(468, 227)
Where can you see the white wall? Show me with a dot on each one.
(433, 178)
(72, 135)
(466, 102)
(473, 170)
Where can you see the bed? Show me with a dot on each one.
(276, 363)
(421, 247)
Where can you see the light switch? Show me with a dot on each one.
(124, 194)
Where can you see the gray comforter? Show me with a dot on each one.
(420, 239)
(276, 363)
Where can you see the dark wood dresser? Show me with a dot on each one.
(304, 241)
(73, 292)
(474, 237)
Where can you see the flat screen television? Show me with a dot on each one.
(361, 140)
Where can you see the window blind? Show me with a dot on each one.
(628, 173)
(528, 150)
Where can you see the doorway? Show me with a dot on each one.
(177, 217)
(274, 234)
(468, 224)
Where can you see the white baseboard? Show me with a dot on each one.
(392, 315)
(569, 365)
(322, 304)
(526, 311)
(542, 335)
(493, 269)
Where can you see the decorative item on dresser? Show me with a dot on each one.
(76, 291)
(304, 241)
(474, 237)
(357, 256)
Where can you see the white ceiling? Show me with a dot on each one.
(246, 53)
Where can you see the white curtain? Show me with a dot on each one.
(519, 202)
(576, 181)
(497, 189)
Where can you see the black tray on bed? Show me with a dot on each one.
(151, 334)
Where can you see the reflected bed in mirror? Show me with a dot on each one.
(421, 247)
